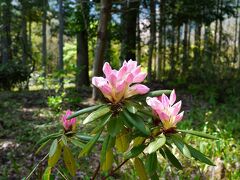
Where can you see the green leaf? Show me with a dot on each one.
(88, 147)
(83, 111)
(151, 163)
(200, 156)
(69, 161)
(86, 138)
(122, 141)
(156, 144)
(140, 169)
(174, 161)
(114, 126)
(131, 108)
(158, 93)
(135, 151)
(107, 163)
(197, 133)
(77, 143)
(47, 173)
(96, 114)
(181, 146)
(54, 159)
(136, 122)
(101, 125)
(64, 139)
(53, 148)
(42, 146)
(46, 138)
(107, 144)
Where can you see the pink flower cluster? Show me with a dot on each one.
(68, 124)
(121, 84)
(167, 111)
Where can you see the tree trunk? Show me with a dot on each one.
(172, 54)
(60, 45)
(138, 39)
(24, 38)
(164, 49)
(152, 37)
(105, 15)
(128, 21)
(44, 38)
(197, 48)
(215, 56)
(82, 74)
(178, 43)
(6, 31)
(236, 35)
(185, 49)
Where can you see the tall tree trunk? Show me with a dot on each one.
(160, 40)
(172, 54)
(30, 37)
(44, 39)
(236, 34)
(178, 43)
(185, 49)
(82, 74)
(24, 38)
(138, 39)
(6, 32)
(152, 37)
(239, 43)
(128, 21)
(164, 49)
(60, 44)
(197, 48)
(220, 31)
(105, 15)
(215, 56)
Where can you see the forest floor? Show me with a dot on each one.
(25, 117)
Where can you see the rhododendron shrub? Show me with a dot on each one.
(133, 126)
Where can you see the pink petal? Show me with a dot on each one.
(137, 70)
(172, 97)
(107, 69)
(122, 71)
(131, 65)
(165, 101)
(179, 117)
(139, 77)
(174, 110)
(163, 116)
(112, 79)
(129, 78)
(98, 81)
(154, 103)
(120, 86)
(140, 88)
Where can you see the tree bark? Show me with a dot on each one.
(60, 44)
(105, 15)
(44, 39)
(185, 49)
(152, 37)
(172, 54)
(128, 21)
(82, 74)
(24, 38)
(138, 39)
(197, 48)
(6, 32)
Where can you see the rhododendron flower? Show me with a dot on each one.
(165, 108)
(68, 124)
(121, 84)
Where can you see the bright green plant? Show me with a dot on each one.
(128, 129)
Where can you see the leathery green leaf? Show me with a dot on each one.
(136, 122)
(156, 144)
(83, 111)
(107, 163)
(77, 142)
(197, 133)
(131, 107)
(51, 136)
(200, 156)
(114, 126)
(107, 144)
(122, 141)
(181, 146)
(151, 163)
(174, 161)
(96, 114)
(135, 151)
(53, 148)
(140, 169)
(69, 161)
(47, 173)
(101, 125)
(88, 147)
(52, 160)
